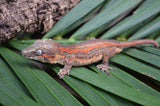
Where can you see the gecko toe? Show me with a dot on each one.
(62, 72)
(105, 68)
(113, 69)
(60, 76)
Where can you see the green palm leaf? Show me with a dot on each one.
(113, 9)
(37, 81)
(23, 83)
(81, 10)
(150, 28)
(146, 10)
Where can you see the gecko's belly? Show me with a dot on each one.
(86, 61)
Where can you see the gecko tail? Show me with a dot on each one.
(138, 42)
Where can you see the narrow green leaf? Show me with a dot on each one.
(86, 92)
(97, 31)
(111, 11)
(21, 44)
(127, 78)
(153, 35)
(137, 66)
(93, 95)
(151, 50)
(23, 69)
(78, 12)
(11, 96)
(59, 91)
(134, 29)
(71, 27)
(77, 23)
(145, 56)
(145, 11)
(158, 39)
(41, 86)
(153, 26)
(108, 84)
(112, 99)
(7, 74)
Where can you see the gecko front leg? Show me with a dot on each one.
(67, 67)
(64, 71)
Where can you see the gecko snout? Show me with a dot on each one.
(27, 53)
(24, 53)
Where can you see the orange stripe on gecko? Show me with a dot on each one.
(48, 56)
(74, 49)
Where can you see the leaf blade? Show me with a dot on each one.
(107, 84)
(109, 13)
(78, 12)
(145, 11)
(11, 96)
(34, 78)
(147, 29)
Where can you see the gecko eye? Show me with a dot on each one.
(39, 52)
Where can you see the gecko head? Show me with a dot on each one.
(41, 50)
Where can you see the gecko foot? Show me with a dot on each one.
(105, 68)
(63, 72)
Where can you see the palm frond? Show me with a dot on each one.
(23, 83)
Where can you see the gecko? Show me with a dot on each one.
(79, 54)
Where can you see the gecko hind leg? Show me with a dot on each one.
(104, 66)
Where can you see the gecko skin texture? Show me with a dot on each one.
(79, 54)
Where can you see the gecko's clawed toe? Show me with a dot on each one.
(110, 68)
(60, 76)
(105, 68)
(62, 72)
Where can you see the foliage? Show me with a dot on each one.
(23, 83)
